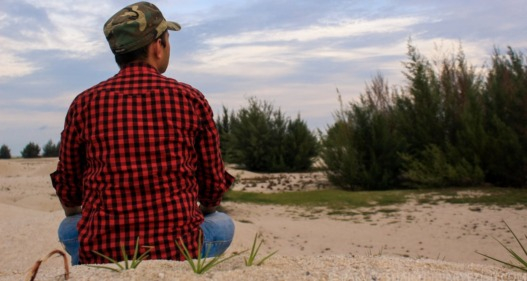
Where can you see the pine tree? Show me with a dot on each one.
(5, 152)
(31, 150)
(50, 149)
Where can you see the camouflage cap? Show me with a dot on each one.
(136, 26)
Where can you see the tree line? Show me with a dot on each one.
(261, 138)
(447, 126)
(32, 150)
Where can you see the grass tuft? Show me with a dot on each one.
(134, 263)
(254, 252)
(521, 262)
(201, 264)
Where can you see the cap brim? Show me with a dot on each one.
(173, 26)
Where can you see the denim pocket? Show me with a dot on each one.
(214, 248)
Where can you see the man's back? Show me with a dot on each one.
(143, 143)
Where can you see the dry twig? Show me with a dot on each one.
(33, 272)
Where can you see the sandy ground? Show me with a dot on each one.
(402, 242)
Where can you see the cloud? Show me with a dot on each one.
(477, 52)
(278, 52)
(256, 61)
(72, 29)
(12, 65)
(19, 118)
(59, 101)
(342, 29)
(68, 28)
(293, 53)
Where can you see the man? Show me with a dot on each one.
(139, 155)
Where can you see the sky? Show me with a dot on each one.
(293, 54)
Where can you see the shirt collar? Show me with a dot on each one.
(138, 67)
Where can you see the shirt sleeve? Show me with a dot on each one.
(67, 179)
(213, 179)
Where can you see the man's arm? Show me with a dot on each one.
(71, 211)
(213, 179)
(207, 210)
(67, 179)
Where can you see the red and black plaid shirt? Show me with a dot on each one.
(138, 151)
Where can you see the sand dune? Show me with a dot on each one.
(408, 242)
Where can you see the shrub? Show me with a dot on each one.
(434, 168)
(223, 123)
(361, 149)
(340, 156)
(31, 150)
(448, 127)
(505, 100)
(300, 146)
(261, 138)
(256, 137)
(51, 149)
(5, 152)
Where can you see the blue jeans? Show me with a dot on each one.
(218, 231)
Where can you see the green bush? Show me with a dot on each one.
(434, 168)
(361, 149)
(340, 156)
(256, 137)
(50, 149)
(223, 123)
(31, 150)
(449, 126)
(261, 138)
(5, 152)
(505, 102)
(300, 146)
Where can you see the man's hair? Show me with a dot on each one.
(137, 55)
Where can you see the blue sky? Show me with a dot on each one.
(291, 53)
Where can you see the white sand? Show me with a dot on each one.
(415, 242)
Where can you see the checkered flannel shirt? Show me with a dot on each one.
(138, 151)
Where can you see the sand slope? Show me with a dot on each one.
(415, 242)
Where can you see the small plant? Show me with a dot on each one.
(523, 263)
(134, 262)
(254, 252)
(201, 265)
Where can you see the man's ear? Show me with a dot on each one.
(155, 49)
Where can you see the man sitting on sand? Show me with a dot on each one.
(139, 155)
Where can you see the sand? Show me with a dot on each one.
(401, 242)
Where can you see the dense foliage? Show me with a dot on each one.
(449, 127)
(261, 138)
(5, 152)
(31, 150)
(360, 150)
(50, 149)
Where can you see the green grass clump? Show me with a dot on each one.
(337, 199)
(201, 265)
(332, 198)
(502, 197)
(134, 263)
(254, 252)
(522, 261)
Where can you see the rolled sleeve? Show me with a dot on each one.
(213, 179)
(67, 179)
